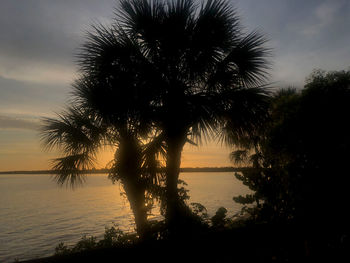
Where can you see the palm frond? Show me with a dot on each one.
(215, 29)
(78, 134)
(98, 41)
(73, 131)
(249, 59)
(181, 8)
(154, 152)
(239, 156)
(220, 21)
(246, 115)
(205, 115)
(117, 80)
(70, 169)
(142, 20)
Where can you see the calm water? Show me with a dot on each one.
(36, 214)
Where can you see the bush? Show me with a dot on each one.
(113, 237)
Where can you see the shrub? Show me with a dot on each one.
(113, 237)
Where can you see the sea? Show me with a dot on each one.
(36, 214)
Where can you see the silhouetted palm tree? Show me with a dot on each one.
(178, 69)
(196, 70)
(81, 132)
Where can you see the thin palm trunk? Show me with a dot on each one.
(135, 193)
(128, 171)
(174, 204)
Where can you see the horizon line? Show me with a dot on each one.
(105, 170)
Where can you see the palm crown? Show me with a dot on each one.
(166, 61)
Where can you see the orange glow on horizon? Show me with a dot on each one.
(29, 155)
(207, 155)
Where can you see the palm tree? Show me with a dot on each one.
(178, 70)
(81, 131)
(201, 73)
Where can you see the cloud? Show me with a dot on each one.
(7, 122)
(323, 17)
(39, 38)
(20, 97)
(304, 35)
(36, 72)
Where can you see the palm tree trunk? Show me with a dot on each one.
(174, 204)
(136, 196)
(128, 157)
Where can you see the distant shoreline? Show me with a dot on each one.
(99, 171)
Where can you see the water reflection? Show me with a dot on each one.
(36, 214)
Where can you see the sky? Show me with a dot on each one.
(39, 38)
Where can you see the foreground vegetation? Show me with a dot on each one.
(239, 241)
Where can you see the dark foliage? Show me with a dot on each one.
(299, 166)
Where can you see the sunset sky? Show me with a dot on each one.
(38, 40)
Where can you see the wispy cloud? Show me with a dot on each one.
(323, 17)
(36, 72)
(39, 38)
(28, 98)
(9, 122)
